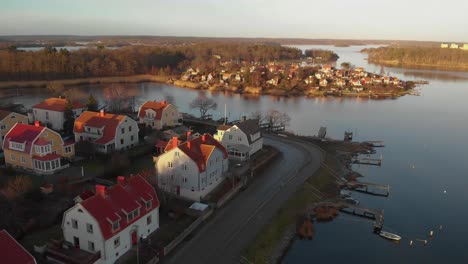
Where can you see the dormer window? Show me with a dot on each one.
(17, 146)
(148, 204)
(133, 214)
(43, 149)
(115, 225)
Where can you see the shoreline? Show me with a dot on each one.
(416, 66)
(200, 86)
(275, 240)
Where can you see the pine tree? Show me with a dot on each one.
(69, 118)
(92, 104)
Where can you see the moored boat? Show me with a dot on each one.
(389, 235)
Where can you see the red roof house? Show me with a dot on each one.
(12, 252)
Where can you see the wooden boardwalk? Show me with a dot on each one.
(372, 214)
(363, 187)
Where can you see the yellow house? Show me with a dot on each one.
(37, 148)
(7, 121)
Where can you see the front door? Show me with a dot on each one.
(76, 242)
(134, 237)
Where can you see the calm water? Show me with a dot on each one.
(425, 154)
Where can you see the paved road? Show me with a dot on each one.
(223, 238)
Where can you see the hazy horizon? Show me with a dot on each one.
(333, 19)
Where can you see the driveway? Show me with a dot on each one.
(224, 237)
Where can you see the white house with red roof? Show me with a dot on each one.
(37, 148)
(158, 115)
(114, 219)
(108, 132)
(12, 252)
(51, 112)
(192, 169)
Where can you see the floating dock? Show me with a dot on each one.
(372, 214)
(368, 161)
(363, 187)
(375, 144)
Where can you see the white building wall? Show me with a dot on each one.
(127, 135)
(235, 136)
(170, 117)
(54, 118)
(109, 253)
(196, 184)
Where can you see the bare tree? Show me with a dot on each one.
(203, 104)
(276, 118)
(55, 88)
(116, 98)
(257, 115)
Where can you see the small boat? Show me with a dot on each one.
(389, 235)
(345, 194)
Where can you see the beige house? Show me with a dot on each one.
(8, 120)
(36, 148)
(158, 115)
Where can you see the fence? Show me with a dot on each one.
(226, 197)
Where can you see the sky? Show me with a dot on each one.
(338, 19)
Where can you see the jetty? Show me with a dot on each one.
(368, 188)
(368, 161)
(270, 128)
(375, 144)
(372, 214)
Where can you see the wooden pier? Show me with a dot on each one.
(372, 214)
(368, 161)
(269, 127)
(375, 144)
(363, 187)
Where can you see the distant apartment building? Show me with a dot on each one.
(8, 120)
(454, 46)
(158, 115)
(108, 132)
(444, 45)
(114, 219)
(464, 47)
(36, 148)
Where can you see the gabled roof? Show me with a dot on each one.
(249, 127)
(158, 107)
(200, 149)
(57, 104)
(126, 196)
(110, 122)
(22, 133)
(12, 252)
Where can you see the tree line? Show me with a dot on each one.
(52, 64)
(422, 56)
(323, 55)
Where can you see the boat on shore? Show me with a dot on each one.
(389, 235)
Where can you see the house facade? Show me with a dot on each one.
(108, 132)
(37, 148)
(242, 140)
(8, 120)
(51, 112)
(114, 219)
(192, 169)
(159, 114)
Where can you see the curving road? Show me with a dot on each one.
(223, 238)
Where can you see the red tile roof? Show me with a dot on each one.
(57, 104)
(199, 150)
(42, 142)
(47, 157)
(126, 196)
(12, 252)
(22, 133)
(161, 144)
(110, 123)
(86, 194)
(158, 107)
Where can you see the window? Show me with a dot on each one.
(133, 214)
(130, 128)
(240, 138)
(89, 129)
(89, 228)
(3, 127)
(12, 156)
(230, 137)
(47, 115)
(68, 149)
(75, 223)
(148, 220)
(115, 226)
(91, 246)
(149, 204)
(116, 242)
(121, 141)
(17, 146)
(123, 130)
(169, 164)
(23, 159)
(177, 153)
(131, 138)
(184, 167)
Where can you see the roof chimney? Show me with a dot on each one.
(101, 190)
(174, 142)
(189, 144)
(163, 102)
(189, 133)
(203, 137)
(37, 123)
(101, 113)
(121, 180)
